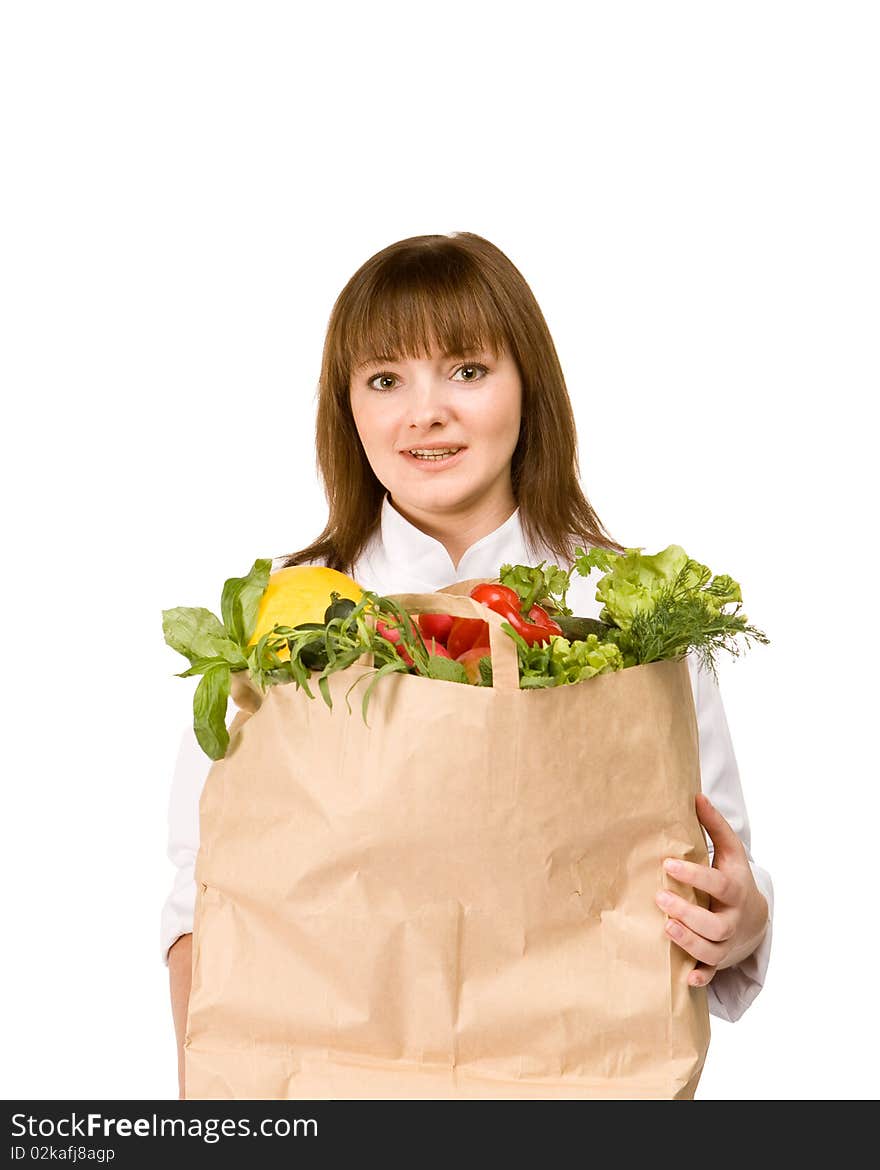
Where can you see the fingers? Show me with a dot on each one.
(702, 975)
(715, 926)
(701, 948)
(721, 885)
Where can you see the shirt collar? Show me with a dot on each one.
(421, 557)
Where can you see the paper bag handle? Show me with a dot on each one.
(505, 660)
(454, 600)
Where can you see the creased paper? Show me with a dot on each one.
(454, 902)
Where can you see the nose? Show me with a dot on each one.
(429, 402)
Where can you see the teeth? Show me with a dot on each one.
(418, 451)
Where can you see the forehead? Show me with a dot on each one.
(390, 357)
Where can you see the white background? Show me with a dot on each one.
(690, 189)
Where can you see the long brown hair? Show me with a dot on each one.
(458, 292)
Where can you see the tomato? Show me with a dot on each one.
(499, 597)
(436, 625)
(465, 633)
(470, 660)
(392, 633)
(436, 648)
(389, 632)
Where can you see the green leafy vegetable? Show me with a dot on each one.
(197, 633)
(216, 648)
(559, 661)
(654, 607)
(240, 602)
(665, 605)
(447, 669)
(547, 587)
(209, 707)
(633, 582)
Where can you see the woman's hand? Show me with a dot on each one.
(736, 920)
(180, 979)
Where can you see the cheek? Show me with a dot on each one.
(500, 415)
(373, 423)
(361, 415)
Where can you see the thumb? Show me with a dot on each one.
(724, 838)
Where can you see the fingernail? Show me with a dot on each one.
(673, 927)
(663, 898)
(671, 865)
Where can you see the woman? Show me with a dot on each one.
(435, 345)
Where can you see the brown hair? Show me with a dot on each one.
(457, 292)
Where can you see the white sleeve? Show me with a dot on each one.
(733, 988)
(190, 772)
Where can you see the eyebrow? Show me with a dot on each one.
(384, 357)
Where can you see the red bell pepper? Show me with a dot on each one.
(537, 627)
(540, 617)
(496, 596)
(465, 633)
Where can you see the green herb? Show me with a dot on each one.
(209, 710)
(654, 607)
(240, 601)
(198, 634)
(548, 587)
(559, 661)
(215, 648)
(343, 640)
(449, 670)
(664, 605)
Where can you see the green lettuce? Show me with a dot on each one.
(663, 606)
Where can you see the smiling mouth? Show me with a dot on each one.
(440, 458)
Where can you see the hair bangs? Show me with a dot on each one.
(457, 294)
(410, 310)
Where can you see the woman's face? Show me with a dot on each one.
(472, 401)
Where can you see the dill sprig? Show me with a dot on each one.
(683, 618)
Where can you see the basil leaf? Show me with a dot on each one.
(209, 711)
(201, 666)
(196, 633)
(185, 629)
(241, 598)
(446, 668)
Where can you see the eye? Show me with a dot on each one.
(370, 382)
(474, 366)
(387, 374)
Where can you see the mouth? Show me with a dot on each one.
(434, 460)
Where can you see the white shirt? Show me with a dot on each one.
(400, 558)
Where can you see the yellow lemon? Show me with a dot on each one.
(300, 593)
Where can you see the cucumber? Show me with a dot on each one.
(313, 655)
(577, 629)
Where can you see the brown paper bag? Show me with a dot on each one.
(456, 901)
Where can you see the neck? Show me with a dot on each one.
(462, 525)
